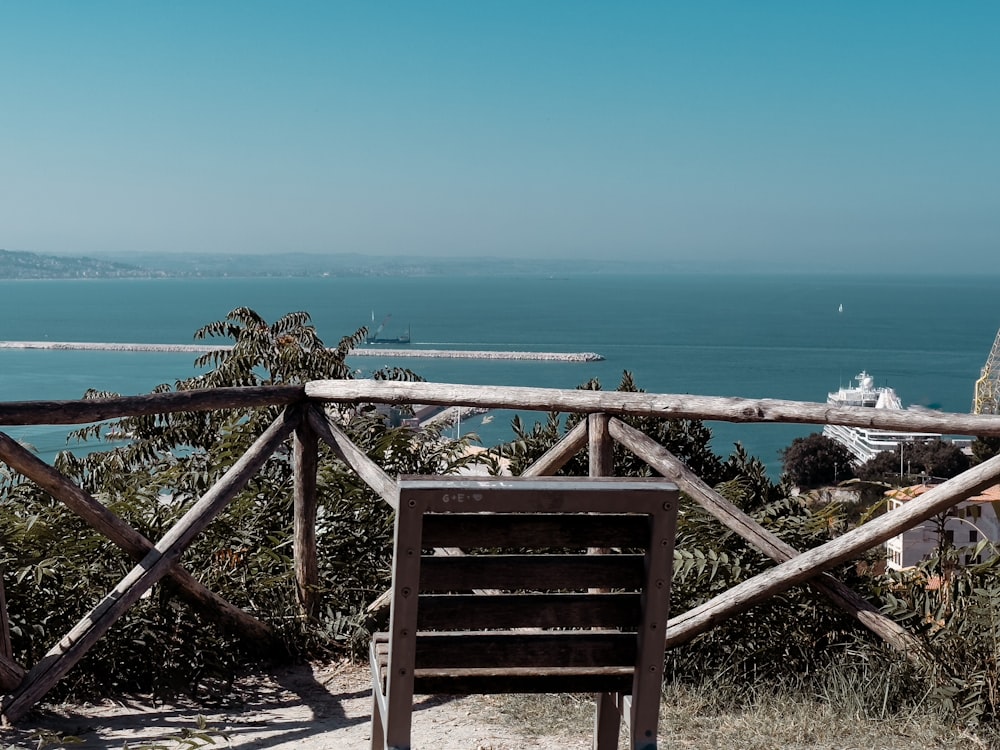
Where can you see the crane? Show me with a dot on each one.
(987, 396)
(380, 325)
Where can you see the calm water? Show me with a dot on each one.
(778, 337)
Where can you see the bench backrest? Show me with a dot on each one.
(528, 606)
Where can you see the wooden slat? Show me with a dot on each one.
(479, 612)
(530, 495)
(491, 682)
(537, 572)
(580, 649)
(534, 531)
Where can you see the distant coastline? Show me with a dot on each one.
(366, 352)
(23, 265)
(19, 265)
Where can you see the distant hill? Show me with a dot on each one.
(24, 265)
(351, 265)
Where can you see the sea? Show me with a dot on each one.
(792, 337)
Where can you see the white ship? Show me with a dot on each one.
(864, 443)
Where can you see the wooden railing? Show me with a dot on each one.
(306, 422)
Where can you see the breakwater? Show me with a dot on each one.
(363, 352)
(480, 354)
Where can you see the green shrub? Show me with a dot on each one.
(57, 568)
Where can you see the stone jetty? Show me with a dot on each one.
(478, 354)
(109, 347)
(360, 352)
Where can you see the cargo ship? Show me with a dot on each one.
(376, 337)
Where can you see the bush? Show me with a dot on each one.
(816, 460)
(953, 608)
(927, 458)
(58, 568)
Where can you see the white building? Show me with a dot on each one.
(964, 527)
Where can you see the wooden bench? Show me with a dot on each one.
(526, 608)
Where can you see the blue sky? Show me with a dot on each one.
(856, 133)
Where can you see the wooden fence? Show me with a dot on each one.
(305, 421)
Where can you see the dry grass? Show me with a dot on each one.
(783, 721)
(693, 719)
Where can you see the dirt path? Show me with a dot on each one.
(302, 708)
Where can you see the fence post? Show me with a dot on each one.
(600, 446)
(11, 673)
(6, 650)
(304, 539)
(600, 449)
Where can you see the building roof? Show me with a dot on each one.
(989, 495)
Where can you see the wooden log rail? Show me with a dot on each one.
(663, 405)
(666, 406)
(90, 410)
(306, 423)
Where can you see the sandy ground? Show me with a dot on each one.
(300, 708)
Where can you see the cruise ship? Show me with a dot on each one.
(864, 443)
